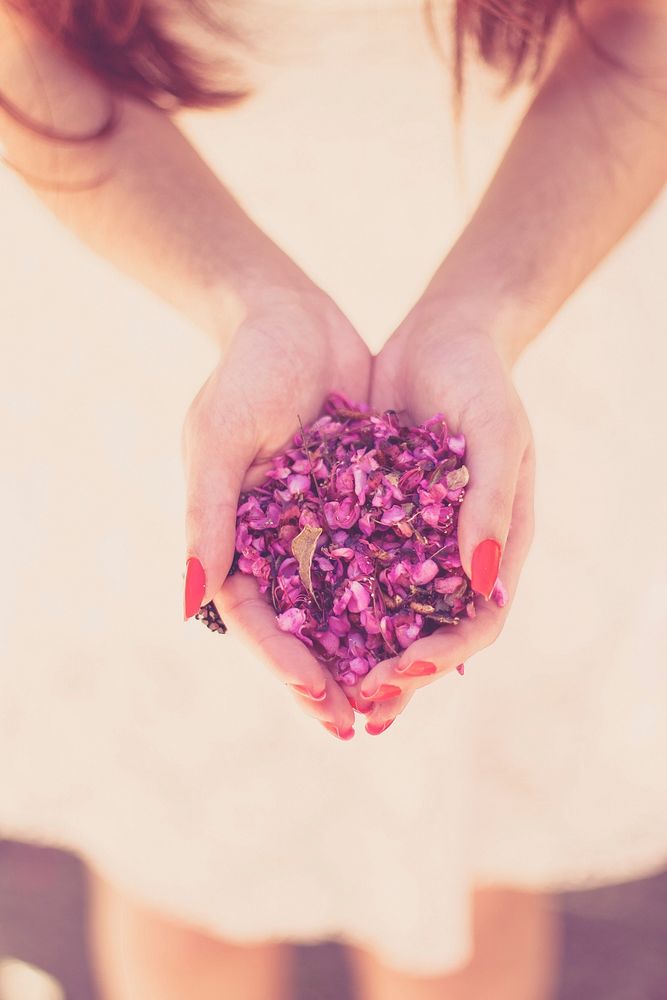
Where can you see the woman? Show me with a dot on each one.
(219, 822)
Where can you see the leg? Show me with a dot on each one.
(516, 946)
(140, 955)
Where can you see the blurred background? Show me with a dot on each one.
(614, 938)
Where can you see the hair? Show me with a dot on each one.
(132, 48)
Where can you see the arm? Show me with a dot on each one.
(588, 159)
(146, 201)
(141, 197)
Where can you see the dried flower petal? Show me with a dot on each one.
(353, 535)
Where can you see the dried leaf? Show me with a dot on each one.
(443, 619)
(457, 479)
(392, 602)
(303, 550)
(422, 609)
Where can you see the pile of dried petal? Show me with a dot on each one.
(353, 535)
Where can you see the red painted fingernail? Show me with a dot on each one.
(420, 668)
(309, 694)
(384, 692)
(485, 563)
(195, 585)
(375, 730)
(346, 734)
(461, 668)
(353, 702)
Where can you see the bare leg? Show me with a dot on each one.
(139, 955)
(516, 951)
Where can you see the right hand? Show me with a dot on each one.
(286, 356)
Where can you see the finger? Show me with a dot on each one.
(353, 694)
(323, 710)
(249, 611)
(453, 645)
(495, 445)
(387, 681)
(383, 716)
(383, 713)
(215, 468)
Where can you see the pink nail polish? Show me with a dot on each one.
(375, 730)
(345, 735)
(309, 694)
(420, 668)
(195, 586)
(485, 563)
(384, 693)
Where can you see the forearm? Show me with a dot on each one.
(588, 159)
(142, 197)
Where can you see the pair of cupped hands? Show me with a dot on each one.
(287, 354)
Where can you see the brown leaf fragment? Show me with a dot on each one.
(303, 550)
(347, 414)
(422, 609)
(443, 619)
(457, 478)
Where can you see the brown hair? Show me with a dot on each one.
(131, 46)
(510, 35)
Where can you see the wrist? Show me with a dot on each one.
(452, 308)
(270, 285)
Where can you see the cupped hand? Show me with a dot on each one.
(429, 366)
(287, 355)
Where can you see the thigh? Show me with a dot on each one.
(138, 953)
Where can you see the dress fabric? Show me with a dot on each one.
(172, 758)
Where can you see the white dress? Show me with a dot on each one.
(169, 755)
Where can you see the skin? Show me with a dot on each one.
(587, 161)
(591, 145)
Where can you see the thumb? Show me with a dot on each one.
(213, 486)
(493, 456)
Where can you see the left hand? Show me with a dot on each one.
(432, 365)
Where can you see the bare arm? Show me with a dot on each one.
(588, 159)
(159, 214)
(142, 197)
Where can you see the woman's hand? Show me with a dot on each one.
(432, 364)
(285, 357)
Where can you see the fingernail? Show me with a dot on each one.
(461, 668)
(358, 708)
(375, 730)
(195, 585)
(308, 693)
(346, 734)
(420, 668)
(485, 563)
(384, 692)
